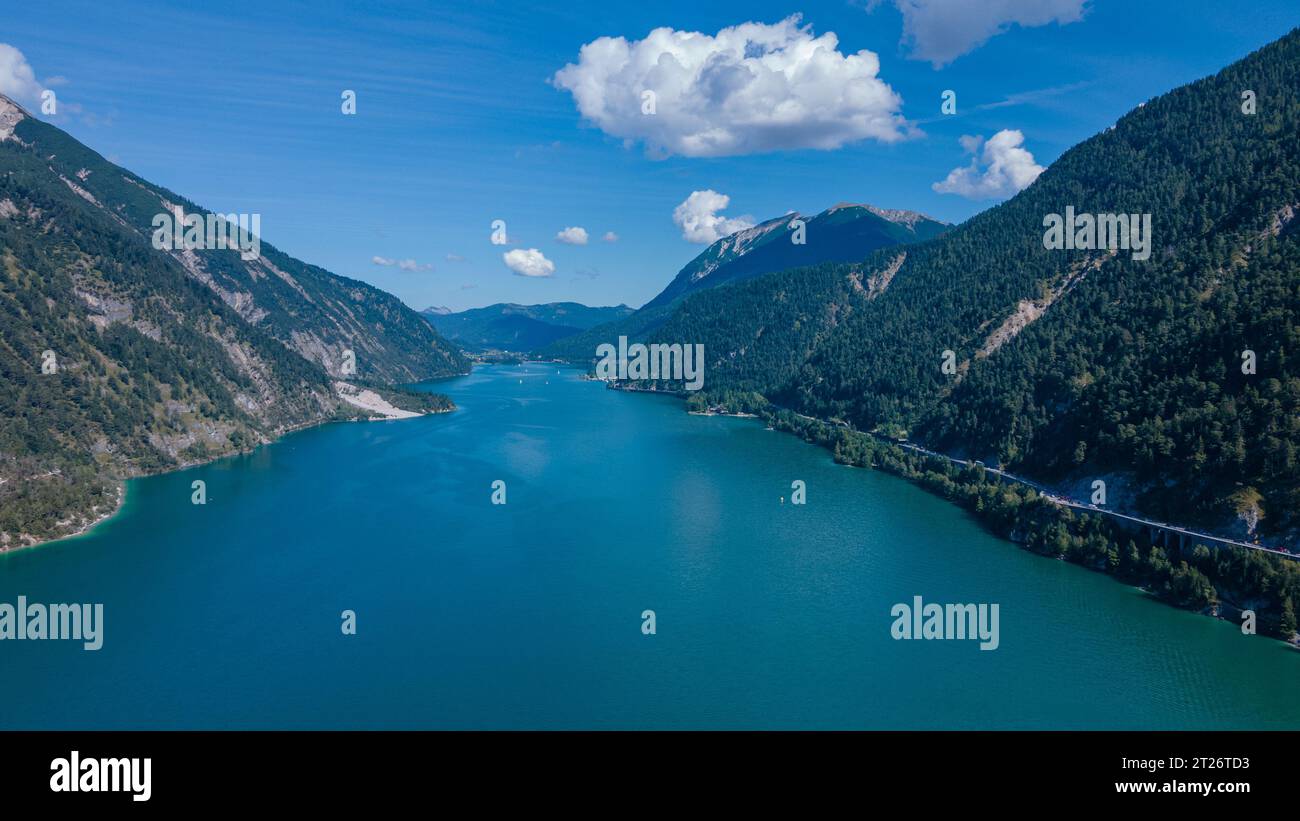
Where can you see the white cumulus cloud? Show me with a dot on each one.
(530, 263)
(943, 30)
(999, 168)
(610, 236)
(748, 89)
(17, 80)
(573, 236)
(700, 221)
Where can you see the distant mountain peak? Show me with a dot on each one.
(437, 310)
(738, 244)
(894, 215)
(843, 232)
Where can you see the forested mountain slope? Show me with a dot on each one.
(117, 359)
(316, 313)
(1075, 364)
(759, 335)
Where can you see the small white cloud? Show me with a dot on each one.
(943, 30)
(17, 80)
(700, 222)
(1000, 169)
(610, 236)
(403, 264)
(749, 89)
(573, 236)
(529, 263)
(455, 258)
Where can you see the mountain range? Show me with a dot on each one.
(120, 358)
(519, 328)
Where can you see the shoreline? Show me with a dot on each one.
(87, 528)
(735, 415)
(119, 503)
(1215, 613)
(121, 484)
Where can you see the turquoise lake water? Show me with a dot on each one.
(528, 614)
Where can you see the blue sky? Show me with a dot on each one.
(459, 122)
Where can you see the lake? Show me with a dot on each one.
(471, 614)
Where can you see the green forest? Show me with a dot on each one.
(1133, 370)
(1174, 379)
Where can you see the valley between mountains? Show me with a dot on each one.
(1170, 376)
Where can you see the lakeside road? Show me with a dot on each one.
(1065, 501)
(1058, 499)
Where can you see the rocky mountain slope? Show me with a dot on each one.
(843, 233)
(118, 358)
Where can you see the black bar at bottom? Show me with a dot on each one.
(209, 770)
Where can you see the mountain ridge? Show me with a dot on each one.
(843, 232)
(308, 308)
(121, 359)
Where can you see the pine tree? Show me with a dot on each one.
(1288, 626)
